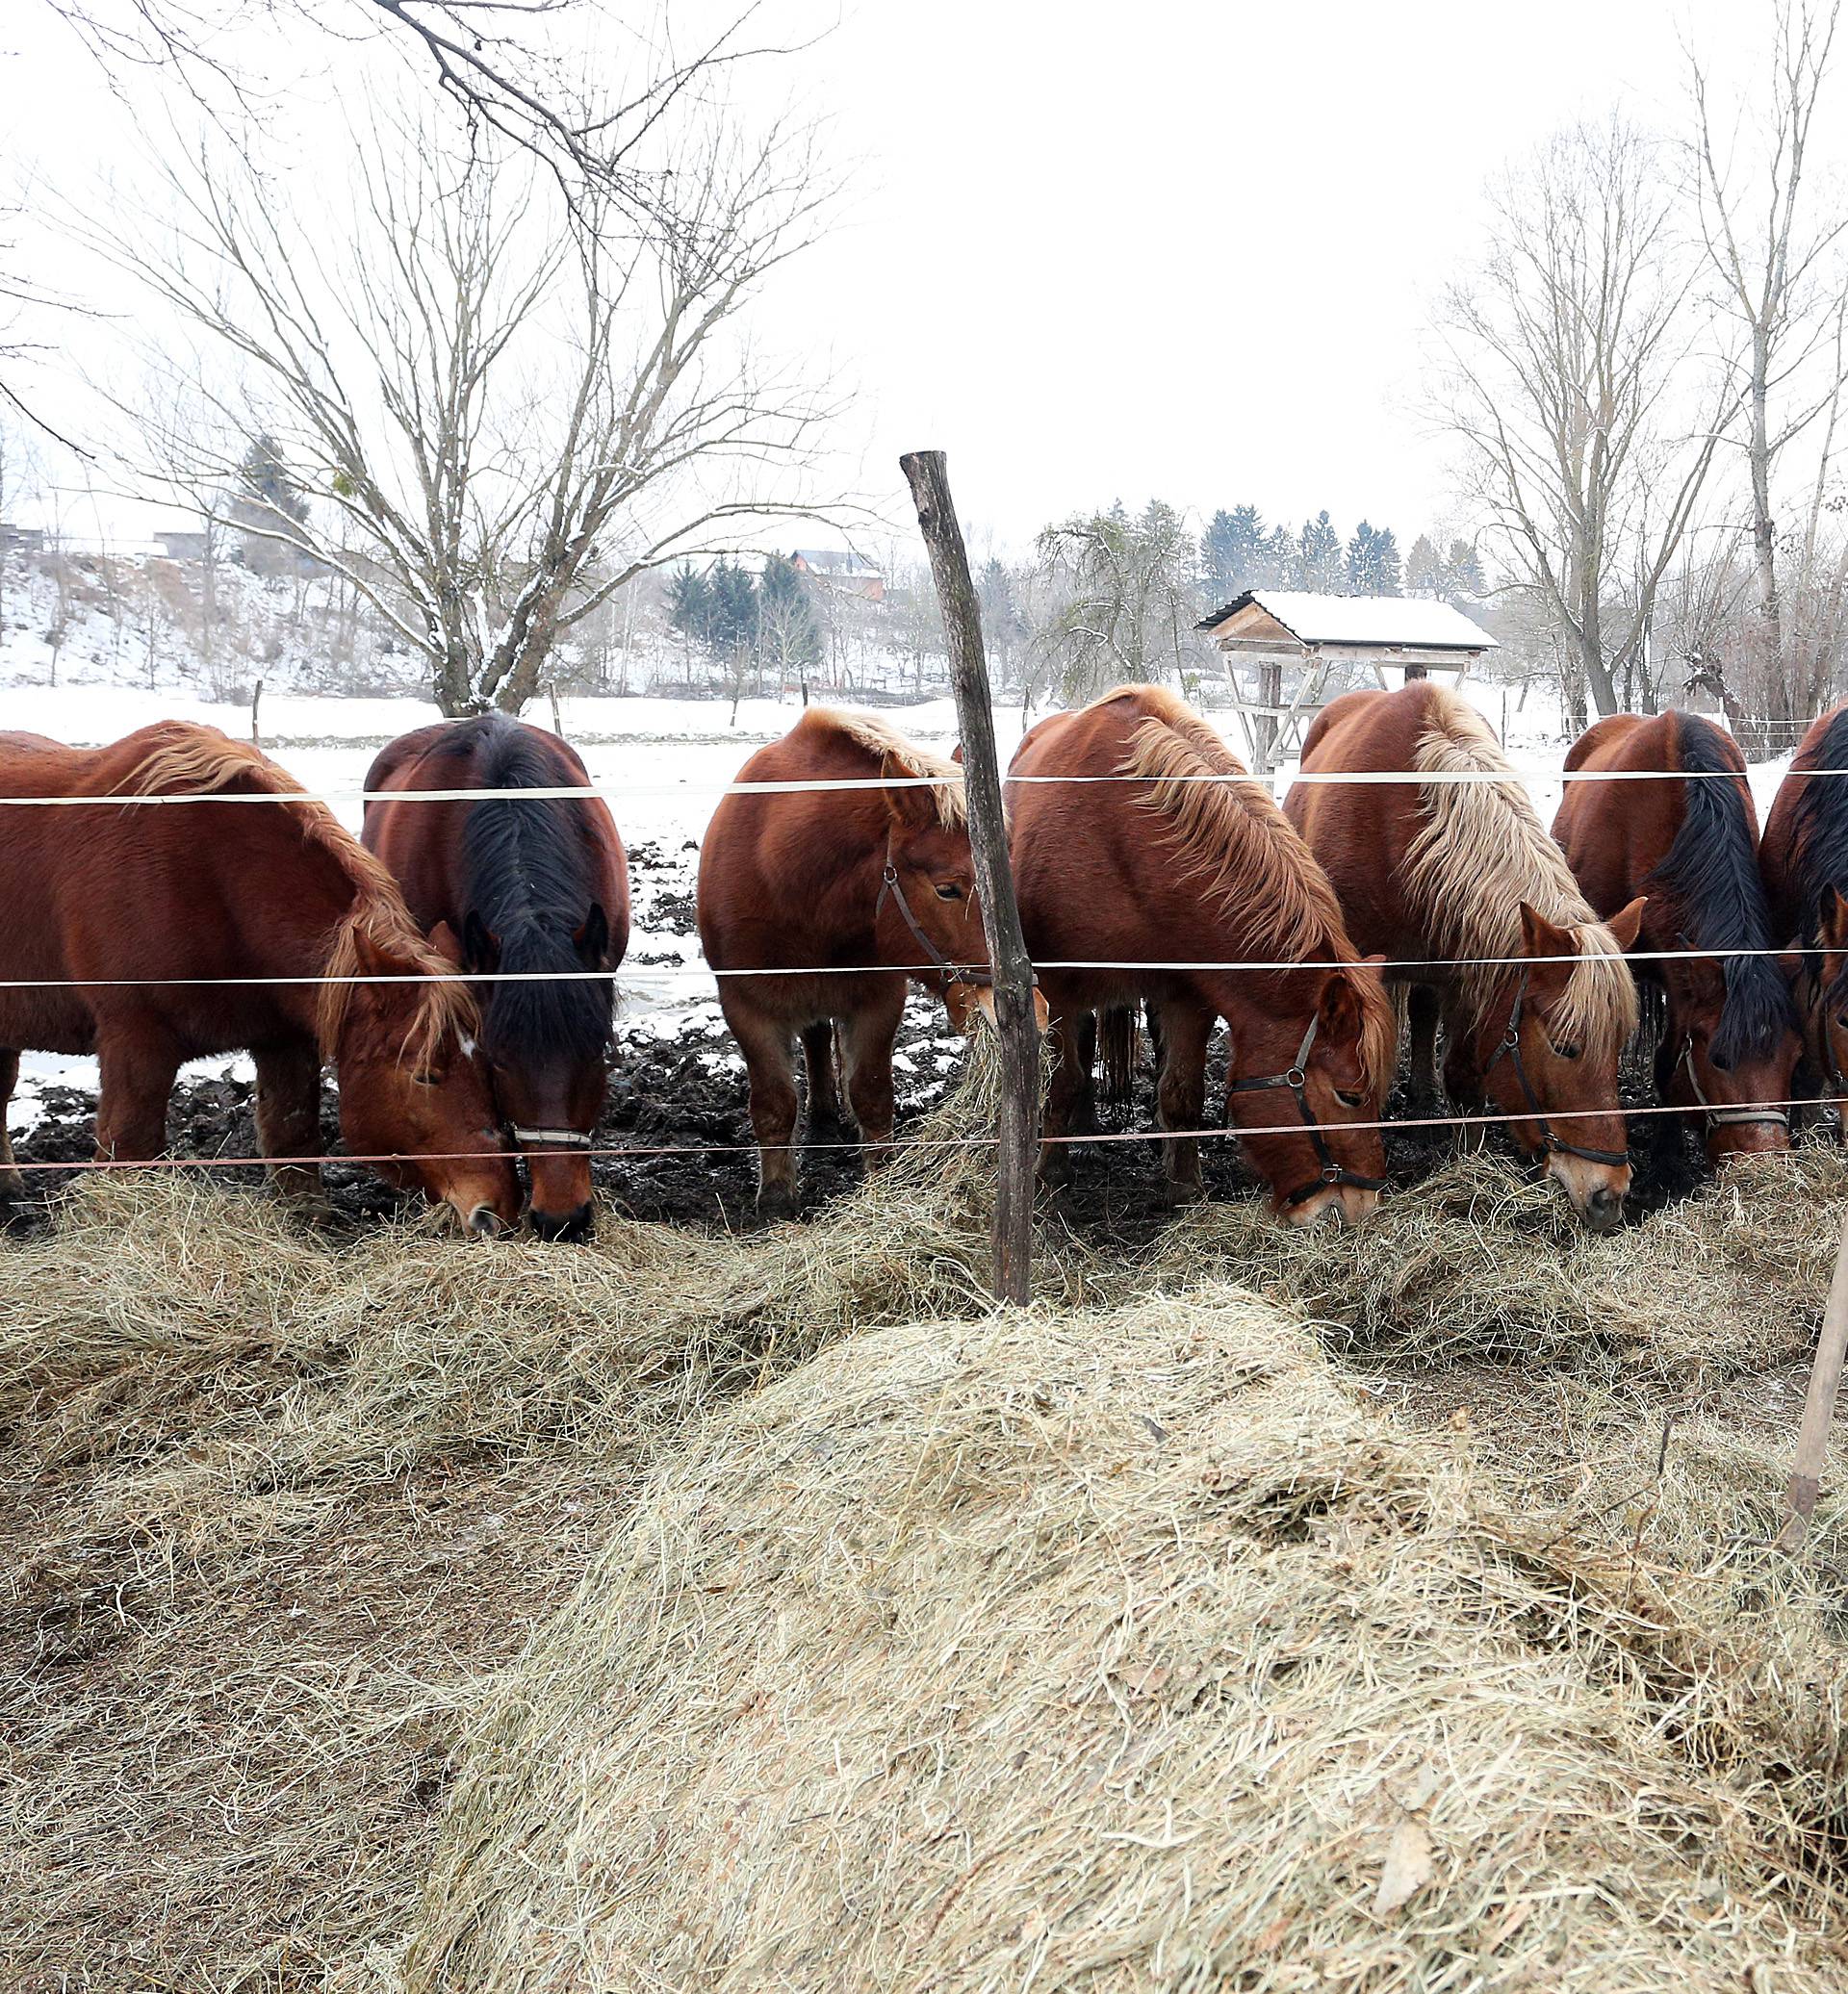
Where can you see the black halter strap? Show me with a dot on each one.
(1510, 1049)
(1296, 1080)
(1723, 1117)
(948, 971)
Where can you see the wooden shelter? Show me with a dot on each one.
(1287, 652)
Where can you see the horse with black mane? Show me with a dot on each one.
(537, 887)
(1804, 858)
(1690, 843)
(156, 935)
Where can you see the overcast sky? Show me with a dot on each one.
(1096, 250)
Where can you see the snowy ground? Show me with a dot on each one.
(661, 762)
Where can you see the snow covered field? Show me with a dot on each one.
(662, 763)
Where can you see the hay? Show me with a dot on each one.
(1125, 1651)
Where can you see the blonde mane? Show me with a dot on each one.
(886, 745)
(1482, 852)
(192, 760)
(1245, 854)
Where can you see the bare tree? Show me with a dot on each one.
(1573, 383)
(502, 406)
(1780, 278)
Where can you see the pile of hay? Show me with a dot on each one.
(1126, 1651)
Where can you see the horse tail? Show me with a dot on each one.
(1118, 1041)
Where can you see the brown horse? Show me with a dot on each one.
(1179, 867)
(1804, 858)
(132, 901)
(535, 884)
(1460, 878)
(1692, 846)
(848, 894)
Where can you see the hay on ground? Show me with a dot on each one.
(1130, 1650)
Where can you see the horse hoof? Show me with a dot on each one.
(12, 1187)
(776, 1201)
(1177, 1194)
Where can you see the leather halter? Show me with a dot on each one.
(1726, 1117)
(1550, 1140)
(948, 971)
(553, 1138)
(1296, 1080)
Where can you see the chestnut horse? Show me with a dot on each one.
(132, 901)
(1177, 866)
(1692, 846)
(849, 894)
(536, 885)
(1804, 858)
(1461, 879)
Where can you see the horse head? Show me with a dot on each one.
(929, 917)
(1547, 1058)
(411, 1089)
(1323, 1061)
(1734, 1042)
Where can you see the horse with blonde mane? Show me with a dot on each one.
(818, 907)
(165, 935)
(1152, 881)
(1451, 875)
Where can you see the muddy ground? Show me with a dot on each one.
(677, 1113)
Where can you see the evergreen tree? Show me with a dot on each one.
(1386, 563)
(1424, 570)
(1464, 575)
(264, 480)
(1319, 559)
(1233, 555)
(689, 604)
(731, 621)
(788, 637)
(1003, 627)
(1281, 566)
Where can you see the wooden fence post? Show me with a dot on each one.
(1820, 1404)
(1018, 1127)
(256, 703)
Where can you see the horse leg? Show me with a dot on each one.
(1420, 1013)
(1462, 1074)
(866, 1040)
(1063, 1095)
(11, 1185)
(139, 1069)
(1083, 1119)
(1181, 1095)
(289, 1124)
(770, 1065)
(824, 1091)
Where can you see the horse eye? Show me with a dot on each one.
(1348, 1100)
(949, 890)
(427, 1080)
(1568, 1050)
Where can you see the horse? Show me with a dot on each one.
(1691, 845)
(848, 895)
(129, 906)
(1190, 861)
(534, 884)
(1803, 860)
(1457, 882)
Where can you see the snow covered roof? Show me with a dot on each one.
(1394, 622)
(828, 560)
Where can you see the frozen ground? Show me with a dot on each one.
(661, 762)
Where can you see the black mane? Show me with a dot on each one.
(1711, 877)
(527, 874)
(1819, 831)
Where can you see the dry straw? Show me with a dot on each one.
(1145, 1635)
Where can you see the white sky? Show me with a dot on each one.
(1096, 250)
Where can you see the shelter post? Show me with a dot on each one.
(1820, 1404)
(1018, 1122)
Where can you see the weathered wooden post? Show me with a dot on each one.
(1018, 1129)
(1820, 1404)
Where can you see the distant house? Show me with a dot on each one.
(189, 545)
(837, 569)
(21, 540)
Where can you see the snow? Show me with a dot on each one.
(1315, 618)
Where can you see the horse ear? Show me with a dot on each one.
(592, 938)
(955, 754)
(912, 807)
(370, 960)
(1340, 1024)
(1832, 919)
(444, 940)
(1627, 924)
(479, 949)
(1539, 938)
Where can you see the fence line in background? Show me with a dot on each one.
(1224, 1131)
(1330, 778)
